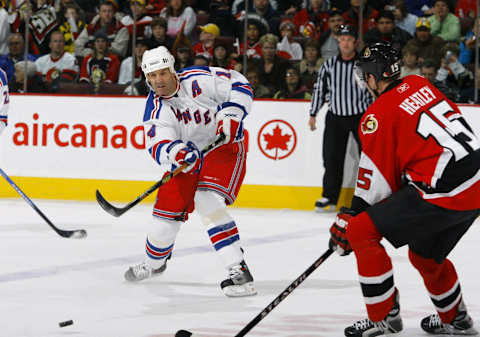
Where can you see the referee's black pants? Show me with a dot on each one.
(335, 140)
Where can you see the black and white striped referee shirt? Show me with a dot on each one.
(337, 86)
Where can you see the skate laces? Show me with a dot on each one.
(236, 271)
(141, 270)
(435, 321)
(363, 324)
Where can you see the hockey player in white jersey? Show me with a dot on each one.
(186, 111)
(4, 100)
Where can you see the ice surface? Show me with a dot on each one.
(46, 279)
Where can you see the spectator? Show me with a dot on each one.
(221, 55)
(220, 14)
(16, 47)
(207, 40)
(404, 19)
(272, 67)
(387, 31)
(108, 23)
(451, 71)
(351, 16)
(264, 10)
(125, 75)
(328, 41)
(288, 48)
(45, 14)
(259, 90)
(468, 94)
(139, 88)
(310, 64)
(58, 65)
(159, 34)
(201, 61)
(466, 9)
(34, 81)
(257, 27)
(292, 87)
(178, 16)
(443, 23)
(420, 7)
(71, 26)
(428, 69)
(467, 45)
(138, 10)
(183, 57)
(409, 61)
(315, 15)
(427, 44)
(4, 31)
(154, 7)
(102, 65)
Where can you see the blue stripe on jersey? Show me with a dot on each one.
(244, 91)
(226, 242)
(156, 249)
(193, 68)
(3, 77)
(194, 74)
(228, 104)
(150, 106)
(158, 148)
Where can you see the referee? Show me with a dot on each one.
(346, 104)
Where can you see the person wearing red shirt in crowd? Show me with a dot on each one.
(143, 21)
(466, 9)
(418, 185)
(108, 23)
(207, 40)
(58, 65)
(255, 30)
(316, 15)
(351, 16)
(101, 65)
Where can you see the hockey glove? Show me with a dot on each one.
(231, 127)
(338, 233)
(180, 153)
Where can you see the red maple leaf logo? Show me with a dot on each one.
(276, 140)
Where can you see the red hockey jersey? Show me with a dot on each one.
(413, 134)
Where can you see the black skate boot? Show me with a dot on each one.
(324, 205)
(461, 325)
(143, 271)
(389, 325)
(239, 283)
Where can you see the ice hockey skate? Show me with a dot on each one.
(389, 325)
(239, 283)
(143, 271)
(461, 325)
(324, 205)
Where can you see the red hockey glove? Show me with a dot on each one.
(181, 153)
(231, 127)
(338, 234)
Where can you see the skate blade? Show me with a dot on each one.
(326, 209)
(247, 289)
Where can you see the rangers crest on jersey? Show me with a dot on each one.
(369, 124)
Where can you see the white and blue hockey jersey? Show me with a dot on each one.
(4, 100)
(190, 114)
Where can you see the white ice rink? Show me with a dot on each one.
(45, 279)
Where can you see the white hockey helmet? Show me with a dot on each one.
(157, 58)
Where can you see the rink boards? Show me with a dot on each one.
(63, 147)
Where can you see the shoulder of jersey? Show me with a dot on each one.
(152, 107)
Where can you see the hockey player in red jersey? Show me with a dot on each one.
(418, 185)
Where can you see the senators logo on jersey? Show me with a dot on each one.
(369, 125)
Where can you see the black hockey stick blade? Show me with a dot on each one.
(118, 211)
(73, 234)
(277, 300)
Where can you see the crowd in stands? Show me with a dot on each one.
(93, 46)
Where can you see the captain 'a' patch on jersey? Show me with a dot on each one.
(420, 136)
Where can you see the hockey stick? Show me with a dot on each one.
(74, 234)
(276, 301)
(117, 211)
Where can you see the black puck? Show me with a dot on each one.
(183, 333)
(65, 323)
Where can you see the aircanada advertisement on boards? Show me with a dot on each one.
(103, 138)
